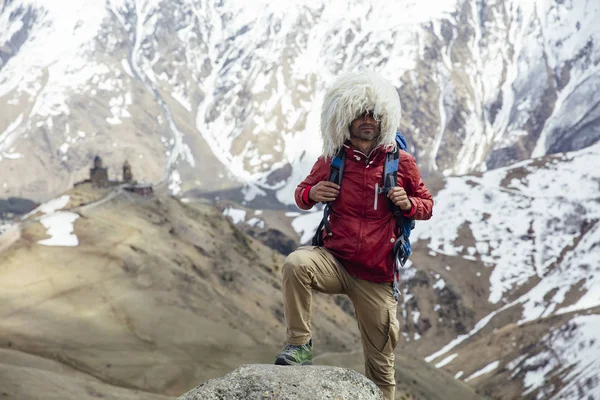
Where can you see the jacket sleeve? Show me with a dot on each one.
(319, 172)
(418, 194)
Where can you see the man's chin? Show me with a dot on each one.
(368, 135)
(365, 134)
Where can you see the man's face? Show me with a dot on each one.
(365, 127)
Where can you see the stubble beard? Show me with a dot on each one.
(367, 134)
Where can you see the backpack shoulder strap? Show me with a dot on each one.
(391, 163)
(402, 247)
(401, 142)
(336, 169)
(336, 172)
(390, 170)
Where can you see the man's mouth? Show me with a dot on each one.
(367, 126)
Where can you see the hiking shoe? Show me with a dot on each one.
(292, 354)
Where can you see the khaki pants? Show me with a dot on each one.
(315, 268)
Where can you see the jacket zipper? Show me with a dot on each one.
(365, 201)
(364, 204)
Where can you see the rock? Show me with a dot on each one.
(273, 238)
(266, 382)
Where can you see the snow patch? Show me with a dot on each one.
(416, 314)
(182, 100)
(59, 226)
(439, 285)
(236, 215)
(53, 205)
(306, 225)
(126, 67)
(175, 183)
(251, 192)
(256, 222)
(11, 156)
(485, 370)
(446, 361)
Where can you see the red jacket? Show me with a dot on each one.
(362, 237)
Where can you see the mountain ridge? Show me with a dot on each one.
(181, 88)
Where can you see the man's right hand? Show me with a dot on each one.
(324, 191)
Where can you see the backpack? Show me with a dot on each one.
(402, 248)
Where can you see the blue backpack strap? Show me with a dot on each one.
(402, 248)
(336, 172)
(401, 142)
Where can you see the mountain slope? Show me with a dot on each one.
(222, 98)
(157, 296)
(505, 276)
(26, 376)
(135, 297)
(414, 379)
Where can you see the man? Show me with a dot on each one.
(361, 113)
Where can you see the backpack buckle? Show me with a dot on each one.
(383, 189)
(378, 191)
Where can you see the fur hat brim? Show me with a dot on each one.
(349, 97)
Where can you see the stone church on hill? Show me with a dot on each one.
(99, 179)
(99, 174)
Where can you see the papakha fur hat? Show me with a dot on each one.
(349, 97)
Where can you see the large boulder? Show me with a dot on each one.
(266, 382)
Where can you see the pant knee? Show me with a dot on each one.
(293, 265)
(289, 265)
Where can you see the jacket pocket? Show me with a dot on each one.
(378, 238)
(344, 236)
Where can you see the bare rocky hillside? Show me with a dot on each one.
(145, 298)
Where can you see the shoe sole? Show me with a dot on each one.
(286, 362)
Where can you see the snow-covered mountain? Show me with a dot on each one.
(520, 248)
(207, 96)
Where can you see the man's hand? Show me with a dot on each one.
(399, 197)
(324, 191)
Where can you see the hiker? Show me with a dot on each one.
(359, 120)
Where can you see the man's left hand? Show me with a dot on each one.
(399, 197)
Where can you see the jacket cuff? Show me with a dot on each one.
(412, 211)
(305, 194)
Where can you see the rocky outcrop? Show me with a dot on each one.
(14, 206)
(273, 238)
(287, 383)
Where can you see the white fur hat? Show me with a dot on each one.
(351, 95)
